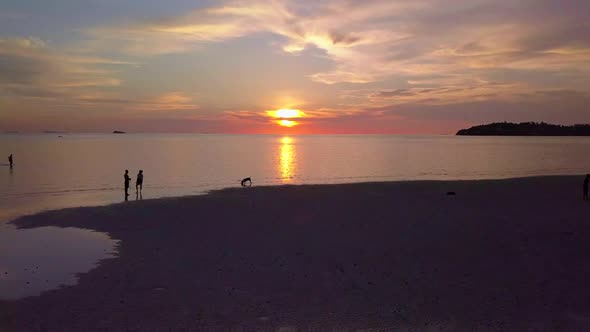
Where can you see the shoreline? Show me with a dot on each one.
(501, 253)
(13, 219)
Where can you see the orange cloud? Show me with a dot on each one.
(167, 102)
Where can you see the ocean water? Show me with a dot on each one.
(52, 172)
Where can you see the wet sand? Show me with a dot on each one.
(499, 255)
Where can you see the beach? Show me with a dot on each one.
(499, 255)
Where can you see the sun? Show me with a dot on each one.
(287, 123)
(284, 116)
(288, 113)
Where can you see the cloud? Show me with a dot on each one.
(167, 102)
(555, 106)
(171, 104)
(373, 40)
(421, 56)
(32, 69)
(449, 94)
(11, 15)
(21, 61)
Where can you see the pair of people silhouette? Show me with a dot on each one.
(138, 182)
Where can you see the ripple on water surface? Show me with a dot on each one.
(44, 258)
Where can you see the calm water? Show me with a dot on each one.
(75, 170)
(52, 172)
(44, 258)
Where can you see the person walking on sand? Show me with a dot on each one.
(139, 181)
(10, 160)
(127, 180)
(586, 180)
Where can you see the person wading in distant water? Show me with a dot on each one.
(139, 181)
(586, 180)
(10, 160)
(127, 180)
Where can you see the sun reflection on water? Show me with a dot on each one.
(287, 159)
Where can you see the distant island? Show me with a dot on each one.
(118, 132)
(526, 129)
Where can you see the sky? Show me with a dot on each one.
(291, 66)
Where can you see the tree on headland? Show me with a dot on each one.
(526, 129)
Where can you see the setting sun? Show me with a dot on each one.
(288, 113)
(284, 115)
(287, 123)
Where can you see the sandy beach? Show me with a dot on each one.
(499, 255)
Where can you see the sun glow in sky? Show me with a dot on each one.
(379, 66)
(288, 113)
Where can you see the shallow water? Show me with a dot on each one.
(52, 172)
(40, 259)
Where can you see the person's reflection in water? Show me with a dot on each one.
(127, 180)
(139, 181)
(586, 180)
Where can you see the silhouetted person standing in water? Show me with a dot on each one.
(10, 160)
(127, 180)
(139, 181)
(586, 180)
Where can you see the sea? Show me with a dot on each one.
(53, 171)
